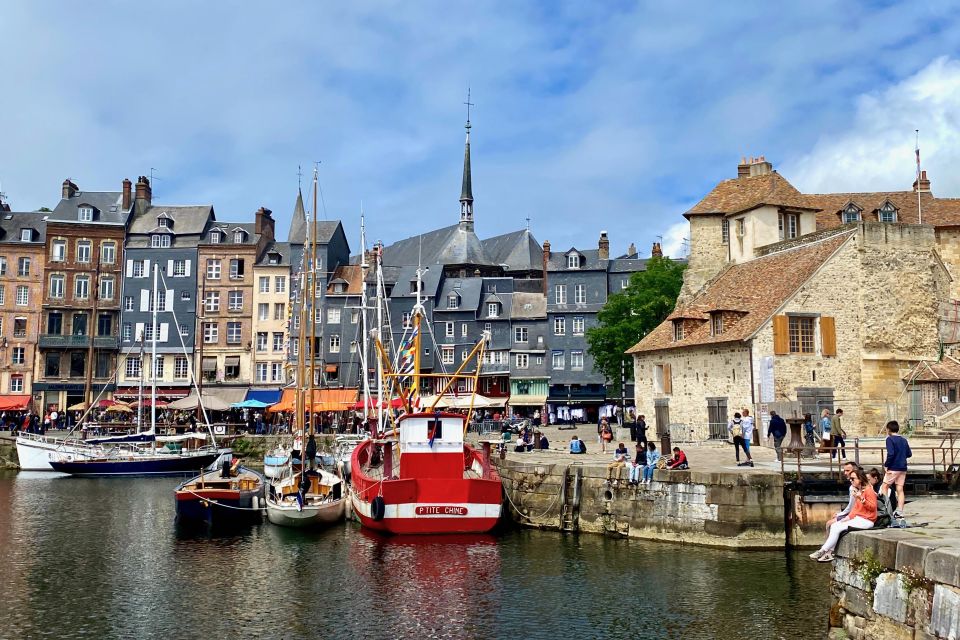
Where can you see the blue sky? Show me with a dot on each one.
(589, 116)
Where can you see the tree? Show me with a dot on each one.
(633, 313)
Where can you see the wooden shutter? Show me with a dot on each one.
(828, 335)
(781, 335)
(667, 379)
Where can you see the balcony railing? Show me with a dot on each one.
(56, 341)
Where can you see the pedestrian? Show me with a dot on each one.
(636, 465)
(536, 418)
(736, 430)
(642, 429)
(826, 441)
(620, 457)
(898, 450)
(652, 457)
(809, 433)
(861, 516)
(839, 436)
(606, 435)
(777, 429)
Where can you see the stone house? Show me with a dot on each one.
(271, 294)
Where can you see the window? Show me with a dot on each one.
(716, 324)
(576, 360)
(280, 284)
(573, 261)
(450, 330)
(624, 282)
(522, 360)
(106, 288)
(406, 320)
(160, 301)
(464, 330)
(279, 310)
(580, 294)
(263, 311)
(261, 341)
(578, 325)
(57, 285)
(333, 316)
(851, 214)
(239, 236)
(84, 248)
(133, 367)
(23, 267)
(85, 214)
(236, 269)
(678, 330)
(278, 341)
(558, 360)
(55, 323)
(18, 355)
(235, 301)
(493, 309)
(276, 371)
(231, 367)
(262, 371)
(26, 235)
(139, 268)
(127, 332)
(79, 324)
(213, 269)
(184, 330)
(3, 266)
(446, 355)
(725, 231)
(81, 287)
(296, 346)
(887, 213)
(158, 367)
(148, 332)
(185, 296)
(233, 332)
(801, 334)
(354, 316)
(163, 222)
(16, 384)
(264, 284)
(216, 237)
(179, 268)
(559, 326)
(58, 253)
(23, 295)
(789, 225)
(128, 303)
(453, 301)
(520, 334)
(318, 315)
(3, 294)
(211, 332)
(560, 294)
(160, 240)
(211, 303)
(663, 379)
(108, 252)
(181, 368)
(334, 344)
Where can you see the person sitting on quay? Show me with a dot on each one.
(862, 516)
(620, 457)
(679, 460)
(653, 456)
(876, 479)
(520, 446)
(577, 445)
(848, 469)
(542, 442)
(637, 464)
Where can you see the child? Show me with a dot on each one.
(898, 450)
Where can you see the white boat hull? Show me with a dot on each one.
(35, 454)
(317, 515)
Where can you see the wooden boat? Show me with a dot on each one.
(319, 502)
(276, 462)
(230, 494)
(163, 462)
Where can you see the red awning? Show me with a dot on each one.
(396, 403)
(14, 402)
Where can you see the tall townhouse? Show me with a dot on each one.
(529, 382)
(79, 332)
(162, 238)
(227, 253)
(271, 295)
(21, 294)
(343, 330)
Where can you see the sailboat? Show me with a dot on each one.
(299, 496)
(420, 477)
(143, 457)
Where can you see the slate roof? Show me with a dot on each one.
(469, 290)
(742, 194)
(407, 274)
(228, 228)
(107, 203)
(529, 306)
(591, 261)
(283, 248)
(298, 222)
(947, 370)
(506, 305)
(630, 265)
(352, 275)
(517, 250)
(12, 222)
(756, 289)
(186, 220)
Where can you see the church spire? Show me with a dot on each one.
(466, 190)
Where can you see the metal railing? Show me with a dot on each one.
(943, 462)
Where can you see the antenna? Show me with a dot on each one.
(469, 104)
(299, 178)
(528, 223)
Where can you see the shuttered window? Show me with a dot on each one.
(828, 336)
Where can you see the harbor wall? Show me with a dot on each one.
(896, 584)
(722, 509)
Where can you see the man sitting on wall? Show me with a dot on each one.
(678, 461)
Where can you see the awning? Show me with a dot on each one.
(396, 403)
(131, 393)
(231, 361)
(323, 400)
(210, 402)
(209, 364)
(330, 368)
(267, 396)
(463, 401)
(528, 401)
(14, 402)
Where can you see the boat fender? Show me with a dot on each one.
(378, 509)
(255, 502)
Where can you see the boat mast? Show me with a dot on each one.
(364, 266)
(377, 257)
(417, 316)
(153, 355)
(298, 404)
(140, 390)
(313, 301)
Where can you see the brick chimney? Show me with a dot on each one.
(923, 184)
(127, 196)
(69, 189)
(632, 250)
(604, 246)
(264, 224)
(751, 166)
(656, 252)
(743, 169)
(144, 193)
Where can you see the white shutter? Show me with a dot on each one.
(139, 331)
(146, 268)
(169, 268)
(144, 300)
(129, 268)
(187, 271)
(163, 332)
(169, 306)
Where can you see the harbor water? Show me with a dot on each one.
(104, 559)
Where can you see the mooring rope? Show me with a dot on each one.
(531, 518)
(225, 506)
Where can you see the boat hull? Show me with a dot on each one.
(219, 506)
(36, 454)
(322, 515)
(165, 465)
(275, 466)
(402, 519)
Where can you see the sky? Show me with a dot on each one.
(588, 117)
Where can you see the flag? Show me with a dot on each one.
(405, 354)
(918, 160)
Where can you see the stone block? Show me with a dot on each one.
(912, 553)
(880, 628)
(844, 572)
(857, 602)
(918, 608)
(945, 613)
(943, 565)
(890, 597)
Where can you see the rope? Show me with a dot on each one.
(531, 518)
(218, 504)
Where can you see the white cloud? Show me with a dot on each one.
(675, 241)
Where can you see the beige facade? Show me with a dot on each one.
(21, 295)
(271, 295)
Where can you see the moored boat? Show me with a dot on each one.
(276, 463)
(315, 503)
(224, 495)
(172, 463)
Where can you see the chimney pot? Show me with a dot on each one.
(603, 246)
(69, 189)
(127, 197)
(632, 250)
(144, 193)
(922, 185)
(656, 251)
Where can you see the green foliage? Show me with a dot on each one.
(869, 568)
(633, 313)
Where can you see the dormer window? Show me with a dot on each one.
(26, 235)
(887, 213)
(339, 287)
(274, 258)
(851, 213)
(239, 236)
(716, 323)
(677, 330)
(573, 261)
(789, 224)
(85, 213)
(216, 237)
(453, 301)
(159, 240)
(163, 222)
(493, 309)
(413, 286)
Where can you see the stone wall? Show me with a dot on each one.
(894, 584)
(716, 509)
(708, 253)
(948, 248)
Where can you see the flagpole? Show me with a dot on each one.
(919, 208)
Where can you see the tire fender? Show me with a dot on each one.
(378, 509)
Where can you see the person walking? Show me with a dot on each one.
(606, 435)
(839, 436)
(736, 430)
(861, 516)
(777, 429)
(898, 450)
(748, 426)
(642, 430)
(826, 440)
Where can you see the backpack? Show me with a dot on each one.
(884, 512)
(583, 446)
